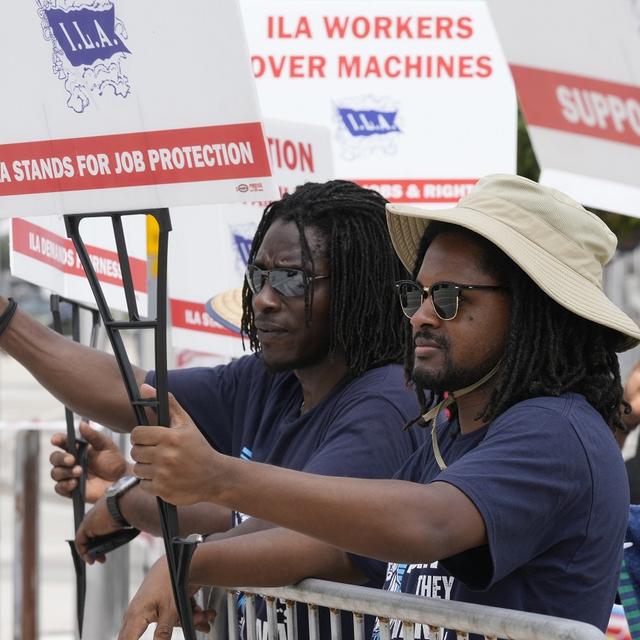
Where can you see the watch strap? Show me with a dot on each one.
(125, 484)
(114, 510)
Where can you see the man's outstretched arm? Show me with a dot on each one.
(86, 380)
(391, 520)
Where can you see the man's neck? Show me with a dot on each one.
(319, 380)
(472, 404)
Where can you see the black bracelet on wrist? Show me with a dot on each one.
(7, 315)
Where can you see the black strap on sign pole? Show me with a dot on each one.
(179, 550)
(75, 445)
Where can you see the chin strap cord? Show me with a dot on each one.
(452, 398)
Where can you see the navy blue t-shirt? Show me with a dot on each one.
(357, 431)
(548, 479)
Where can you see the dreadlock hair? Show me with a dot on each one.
(365, 317)
(549, 349)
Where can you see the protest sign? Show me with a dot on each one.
(42, 254)
(119, 105)
(417, 94)
(583, 109)
(209, 246)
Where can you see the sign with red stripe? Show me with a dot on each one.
(134, 159)
(51, 249)
(41, 253)
(187, 314)
(576, 69)
(126, 105)
(434, 191)
(577, 104)
(417, 95)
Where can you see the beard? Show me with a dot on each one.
(444, 377)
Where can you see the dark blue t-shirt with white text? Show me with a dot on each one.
(548, 479)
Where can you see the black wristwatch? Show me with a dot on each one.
(113, 493)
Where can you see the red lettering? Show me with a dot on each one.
(295, 66)
(485, 68)
(465, 27)
(361, 27)
(403, 29)
(395, 61)
(258, 66)
(278, 28)
(348, 67)
(412, 67)
(424, 27)
(372, 68)
(383, 26)
(335, 26)
(464, 67)
(276, 64)
(316, 66)
(443, 27)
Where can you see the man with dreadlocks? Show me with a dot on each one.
(520, 499)
(325, 394)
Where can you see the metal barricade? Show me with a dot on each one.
(421, 617)
(109, 592)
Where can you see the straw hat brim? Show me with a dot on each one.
(568, 288)
(226, 309)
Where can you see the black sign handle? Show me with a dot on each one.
(175, 547)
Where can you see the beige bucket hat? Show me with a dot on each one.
(557, 242)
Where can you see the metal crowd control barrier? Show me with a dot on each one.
(109, 597)
(422, 617)
(25, 531)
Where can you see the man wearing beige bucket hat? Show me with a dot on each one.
(520, 498)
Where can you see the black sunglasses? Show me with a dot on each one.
(287, 282)
(444, 296)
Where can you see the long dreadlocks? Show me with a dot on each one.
(365, 317)
(549, 351)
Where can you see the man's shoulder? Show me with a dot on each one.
(246, 366)
(247, 372)
(388, 376)
(383, 387)
(386, 381)
(566, 420)
(565, 407)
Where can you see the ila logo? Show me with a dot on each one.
(366, 125)
(88, 48)
(369, 122)
(241, 236)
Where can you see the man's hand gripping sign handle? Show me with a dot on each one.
(171, 462)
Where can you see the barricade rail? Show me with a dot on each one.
(422, 617)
